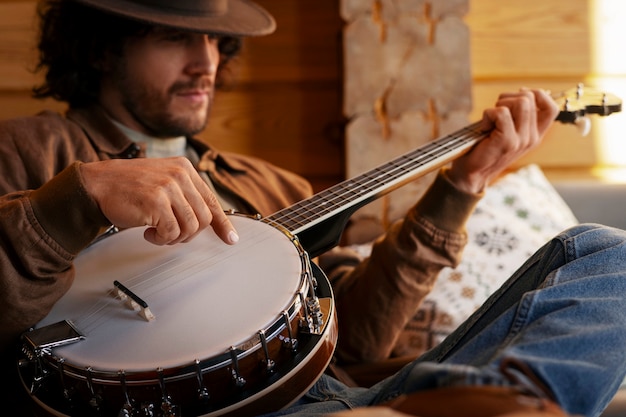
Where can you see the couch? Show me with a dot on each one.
(597, 202)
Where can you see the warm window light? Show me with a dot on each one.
(608, 72)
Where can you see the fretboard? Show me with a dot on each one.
(344, 198)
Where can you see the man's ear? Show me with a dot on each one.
(103, 61)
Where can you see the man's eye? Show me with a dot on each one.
(175, 37)
(169, 35)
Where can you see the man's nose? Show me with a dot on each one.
(205, 55)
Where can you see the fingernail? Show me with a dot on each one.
(233, 237)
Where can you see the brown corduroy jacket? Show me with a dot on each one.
(46, 218)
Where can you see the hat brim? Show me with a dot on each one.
(243, 18)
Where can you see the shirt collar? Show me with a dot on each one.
(155, 147)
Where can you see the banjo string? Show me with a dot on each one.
(161, 277)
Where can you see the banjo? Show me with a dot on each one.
(208, 329)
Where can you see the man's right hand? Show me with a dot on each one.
(166, 194)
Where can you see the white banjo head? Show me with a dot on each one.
(204, 298)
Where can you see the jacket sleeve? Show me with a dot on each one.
(377, 296)
(41, 231)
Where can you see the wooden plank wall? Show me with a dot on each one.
(284, 105)
(542, 44)
(17, 60)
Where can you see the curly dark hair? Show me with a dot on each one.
(72, 40)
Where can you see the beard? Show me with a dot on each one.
(156, 111)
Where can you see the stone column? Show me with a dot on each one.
(407, 81)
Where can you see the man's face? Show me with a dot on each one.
(164, 83)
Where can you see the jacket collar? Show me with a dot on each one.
(211, 158)
(105, 137)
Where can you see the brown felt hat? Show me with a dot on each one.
(224, 17)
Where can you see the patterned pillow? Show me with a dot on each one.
(515, 218)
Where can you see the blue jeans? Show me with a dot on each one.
(558, 325)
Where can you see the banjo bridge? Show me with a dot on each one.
(133, 301)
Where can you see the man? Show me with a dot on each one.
(139, 77)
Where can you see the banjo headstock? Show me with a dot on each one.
(577, 103)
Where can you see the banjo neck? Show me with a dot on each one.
(318, 221)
